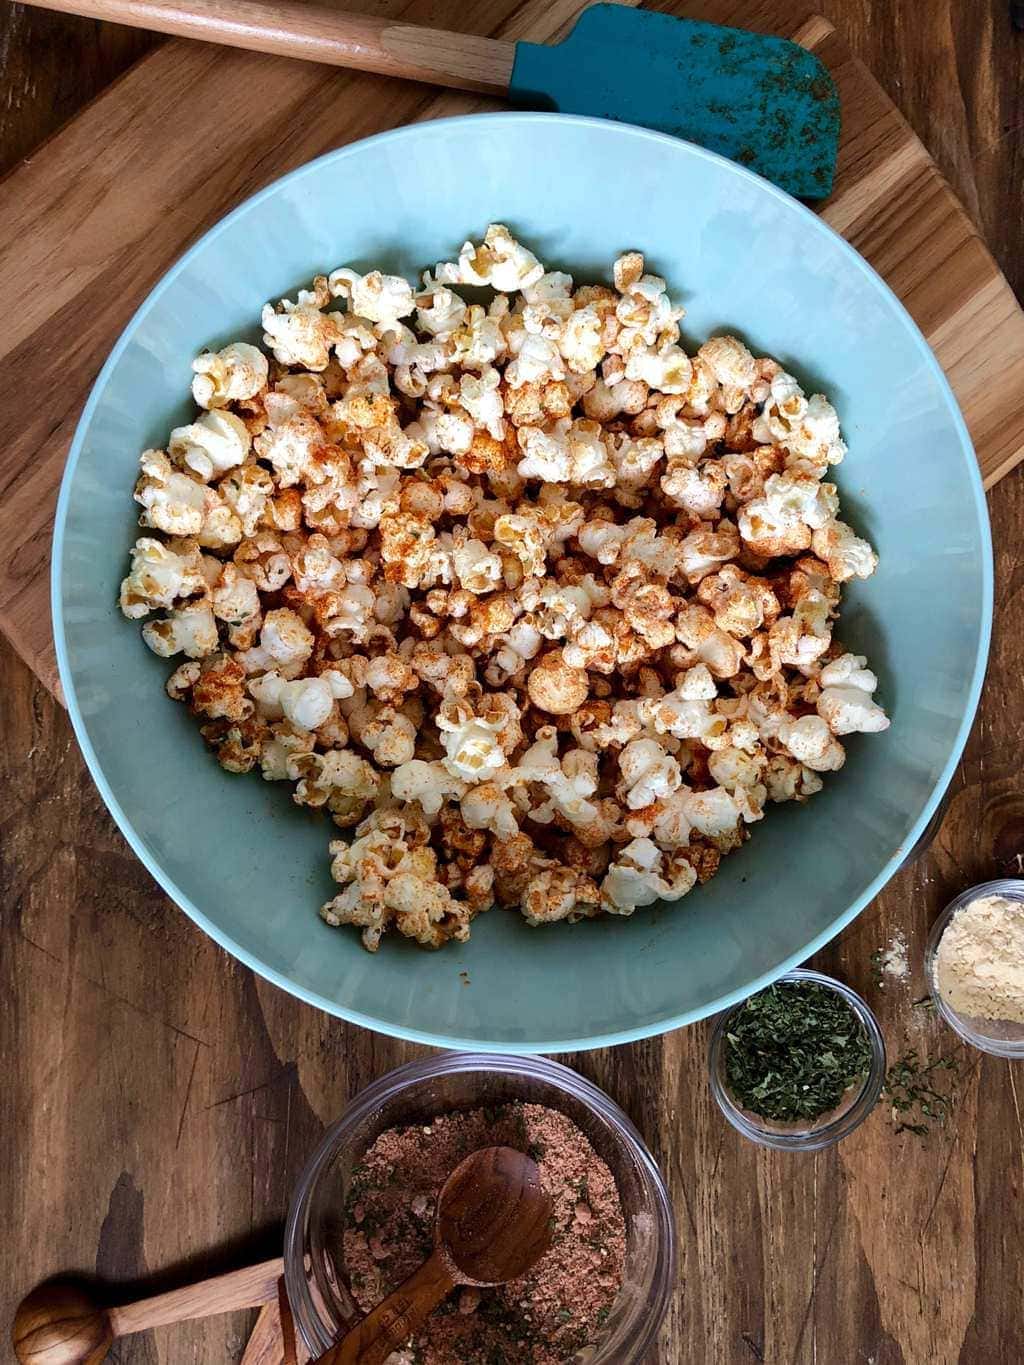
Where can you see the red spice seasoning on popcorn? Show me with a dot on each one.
(543, 1318)
(539, 608)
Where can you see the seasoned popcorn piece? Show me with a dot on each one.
(160, 575)
(486, 806)
(339, 779)
(190, 629)
(810, 740)
(782, 520)
(846, 555)
(477, 568)
(218, 691)
(696, 629)
(236, 743)
(431, 784)
(472, 738)
(499, 261)
(281, 743)
(439, 312)
(217, 442)
(172, 502)
(248, 490)
(635, 879)
(515, 861)
(381, 299)
(388, 734)
(730, 362)
(300, 333)
(555, 686)
(236, 372)
(846, 703)
(648, 773)
(807, 428)
(389, 877)
(627, 271)
(560, 893)
(285, 639)
(788, 780)
(234, 597)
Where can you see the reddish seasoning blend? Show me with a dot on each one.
(543, 1318)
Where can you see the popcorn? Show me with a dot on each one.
(810, 740)
(431, 784)
(338, 779)
(306, 702)
(190, 630)
(808, 428)
(382, 299)
(159, 575)
(501, 262)
(476, 568)
(845, 702)
(237, 372)
(559, 893)
(473, 750)
(535, 602)
(698, 489)
(635, 879)
(648, 773)
(172, 502)
(781, 521)
(555, 686)
(480, 395)
(846, 555)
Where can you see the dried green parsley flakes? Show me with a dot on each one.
(793, 1050)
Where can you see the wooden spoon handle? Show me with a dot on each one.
(247, 1288)
(318, 34)
(394, 1321)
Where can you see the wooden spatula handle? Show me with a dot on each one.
(394, 1321)
(318, 34)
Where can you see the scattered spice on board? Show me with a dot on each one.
(910, 1087)
(543, 1318)
(891, 963)
(793, 1050)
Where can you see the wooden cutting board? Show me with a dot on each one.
(95, 217)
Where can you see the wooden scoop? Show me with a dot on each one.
(493, 1225)
(60, 1323)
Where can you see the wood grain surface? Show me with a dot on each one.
(158, 1101)
(84, 234)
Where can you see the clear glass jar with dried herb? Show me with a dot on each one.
(800, 1064)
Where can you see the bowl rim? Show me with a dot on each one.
(586, 1042)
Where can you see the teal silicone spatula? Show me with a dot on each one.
(763, 101)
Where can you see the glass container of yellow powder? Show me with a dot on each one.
(974, 963)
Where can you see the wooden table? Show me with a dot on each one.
(159, 1101)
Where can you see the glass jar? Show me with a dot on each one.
(314, 1262)
(809, 1135)
(1001, 1037)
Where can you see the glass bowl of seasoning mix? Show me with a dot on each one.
(362, 1217)
(974, 964)
(799, 1065)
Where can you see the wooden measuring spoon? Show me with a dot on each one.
(493, 1225)
(61, 1324)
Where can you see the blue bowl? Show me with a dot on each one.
(251, 868)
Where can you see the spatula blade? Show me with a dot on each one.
(764, 102)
